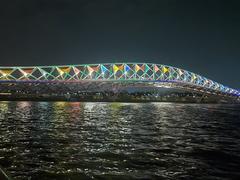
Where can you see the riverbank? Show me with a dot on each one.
(122, 100)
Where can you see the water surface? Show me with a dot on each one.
(69, 140)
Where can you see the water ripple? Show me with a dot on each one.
(60, 140)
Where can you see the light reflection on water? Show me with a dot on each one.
(73, 140)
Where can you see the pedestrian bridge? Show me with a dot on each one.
(114, 72)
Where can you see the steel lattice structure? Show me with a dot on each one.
(112, 72)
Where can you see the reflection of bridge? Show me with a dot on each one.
(151, 74)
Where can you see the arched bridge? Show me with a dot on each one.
(127, 72)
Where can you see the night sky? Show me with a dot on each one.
(196, 35)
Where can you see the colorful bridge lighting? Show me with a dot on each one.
(111, 72)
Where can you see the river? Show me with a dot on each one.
(76, 140)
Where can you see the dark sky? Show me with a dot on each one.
(197, 35)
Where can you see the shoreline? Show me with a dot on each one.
(116, 100)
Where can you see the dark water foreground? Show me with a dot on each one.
(59, 140)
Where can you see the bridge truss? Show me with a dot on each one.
(117, 72)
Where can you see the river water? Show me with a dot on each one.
(72, 140)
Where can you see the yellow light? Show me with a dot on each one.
(115, 68)
(165, 69)
(60, 71)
